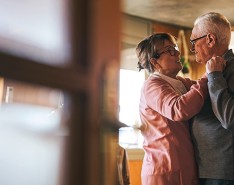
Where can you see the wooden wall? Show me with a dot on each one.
(135, 171)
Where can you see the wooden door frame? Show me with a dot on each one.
(95, 45)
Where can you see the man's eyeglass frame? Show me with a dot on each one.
(195, 40)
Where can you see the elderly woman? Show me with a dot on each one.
(167, 103)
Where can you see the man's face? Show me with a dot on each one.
(199, 46)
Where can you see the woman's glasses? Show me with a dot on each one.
(171, 50)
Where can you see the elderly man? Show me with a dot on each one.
(213, 127)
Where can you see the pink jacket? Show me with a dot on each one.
(169, 156)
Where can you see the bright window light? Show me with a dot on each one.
(129, 96)
(231, 46)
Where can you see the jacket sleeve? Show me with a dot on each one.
(222, 98)
(161, 97)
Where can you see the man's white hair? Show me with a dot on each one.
(216, 24)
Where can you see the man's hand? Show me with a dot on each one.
(215, 64)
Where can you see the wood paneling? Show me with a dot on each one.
(135, 172)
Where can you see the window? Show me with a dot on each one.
(231, 46)
(46, 50)
(131, 81)
(129, 96)
(130, 84)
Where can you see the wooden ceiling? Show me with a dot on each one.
(177, 12)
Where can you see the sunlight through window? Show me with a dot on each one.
(130, 88)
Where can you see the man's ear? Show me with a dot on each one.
(211, 39)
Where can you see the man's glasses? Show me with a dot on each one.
(195, 40)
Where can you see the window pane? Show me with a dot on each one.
(231, 46)
(129, 96)
(34, 29)
(32, 134)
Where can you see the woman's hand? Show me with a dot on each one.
(215, 64)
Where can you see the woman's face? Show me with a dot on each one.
(169, 61)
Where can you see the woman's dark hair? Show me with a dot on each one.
(149, 47)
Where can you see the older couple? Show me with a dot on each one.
(173, 155)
